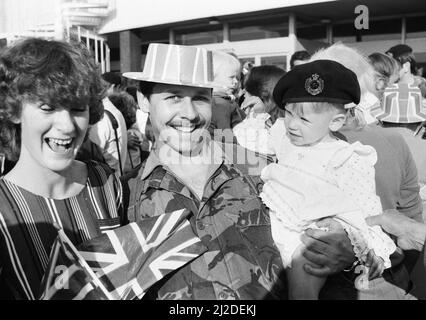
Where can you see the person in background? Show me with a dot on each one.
(387, 70)
(408, 72)
(259, 86)
(299, 57)
(402, 110)
(111, 142)
(50, 92)
(226, 112)
(259, 106)
(127, 106)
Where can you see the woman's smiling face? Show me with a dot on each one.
(51, 136)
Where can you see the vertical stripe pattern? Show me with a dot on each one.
(27, 232)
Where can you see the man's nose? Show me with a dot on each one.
(188, 110)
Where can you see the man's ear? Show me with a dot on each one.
(337, 122)
(143, 102)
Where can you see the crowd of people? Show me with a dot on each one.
(306, 184)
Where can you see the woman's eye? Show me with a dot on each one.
(46, 107)
(78, 110)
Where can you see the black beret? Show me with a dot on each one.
(318, 81)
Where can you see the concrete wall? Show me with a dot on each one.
(263, 47)
(131, 14)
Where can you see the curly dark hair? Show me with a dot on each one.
(127, 106)
(54, 72)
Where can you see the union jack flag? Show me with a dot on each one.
(402, 103)
(122, 263)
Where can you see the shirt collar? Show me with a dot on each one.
(218, 155)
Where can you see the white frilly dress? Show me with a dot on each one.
(330, 179)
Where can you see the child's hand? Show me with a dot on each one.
(375, 264)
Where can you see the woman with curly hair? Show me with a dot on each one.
(50, 92)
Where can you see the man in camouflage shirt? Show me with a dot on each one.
(187, 169)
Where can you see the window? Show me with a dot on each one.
(416, 27)
(278, 61)
(312, 32)
(200, 35)
(389, 29)
(259, 29)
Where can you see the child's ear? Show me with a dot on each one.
(143, 102)
(337, 122)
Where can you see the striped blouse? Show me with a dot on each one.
(27, 232)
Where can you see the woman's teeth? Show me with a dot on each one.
(59, 145)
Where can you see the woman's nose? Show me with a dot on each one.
(64, 121)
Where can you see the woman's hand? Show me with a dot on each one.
(252, 105)
(410, 234)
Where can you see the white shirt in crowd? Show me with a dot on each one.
(102, 134)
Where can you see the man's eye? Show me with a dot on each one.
(173, 98)
(202, 98)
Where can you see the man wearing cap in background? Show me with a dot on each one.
(187, 169)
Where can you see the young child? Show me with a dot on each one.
(318, 176)
(226, 112)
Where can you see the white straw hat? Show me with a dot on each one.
(176, 64)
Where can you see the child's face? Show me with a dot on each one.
(305, 126)
(228, 76)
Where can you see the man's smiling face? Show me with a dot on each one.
(180, 116)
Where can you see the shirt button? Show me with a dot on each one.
(223, 296)
(200, 225)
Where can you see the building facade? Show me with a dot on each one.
(77, 20)
(263, 32)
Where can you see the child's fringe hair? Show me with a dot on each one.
(354, 116)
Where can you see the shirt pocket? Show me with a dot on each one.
(251, 213)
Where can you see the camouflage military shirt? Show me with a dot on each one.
(242, 261)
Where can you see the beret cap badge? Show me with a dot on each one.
(314, 85)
